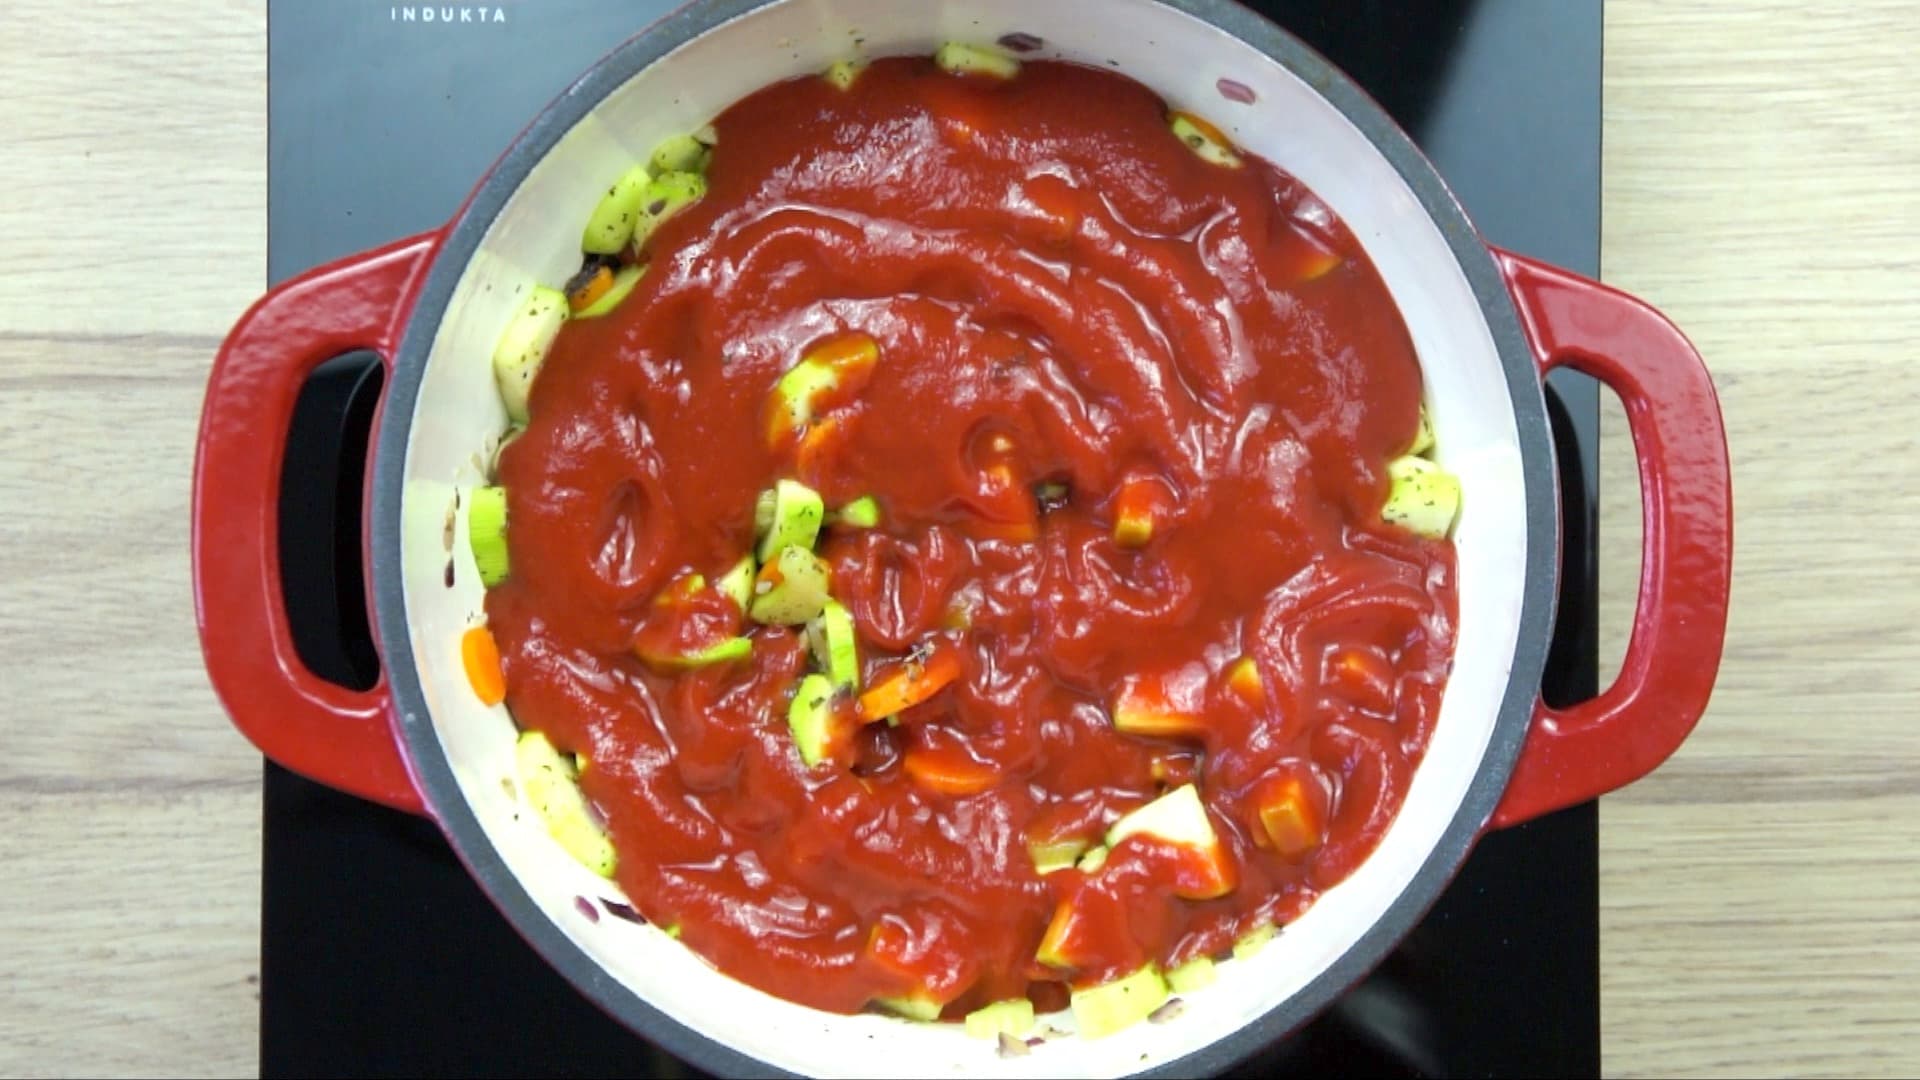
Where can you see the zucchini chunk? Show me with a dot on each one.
(1011, 1017)
(960, 58)
(1191, 976)
(861, 513)
(487, 533)
(791, 589)
(1209, 142)
(1101, 1010)
(844, 73)
(610, 226)
(552, 786)
(523, 347)
(737, 583)
(831, 638)
(794, 520)
(666, 195)
(1178, 818)
(1423, 498)
(811, 722)
(680, 153)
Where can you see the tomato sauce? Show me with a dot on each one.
(1073, 311)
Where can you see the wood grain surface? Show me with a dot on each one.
(1760, 893)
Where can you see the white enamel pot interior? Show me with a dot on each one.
(442, 416)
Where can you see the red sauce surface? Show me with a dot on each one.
(1042, 260)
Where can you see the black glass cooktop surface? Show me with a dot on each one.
(379, 956)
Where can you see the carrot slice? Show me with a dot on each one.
(582, 296)
(909, 683)
(949, 772)
(481, 657)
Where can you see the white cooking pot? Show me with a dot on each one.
(1487, 325)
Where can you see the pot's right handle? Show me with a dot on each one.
(1579, 753)
(342, 738)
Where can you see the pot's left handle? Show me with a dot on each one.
(339, 737)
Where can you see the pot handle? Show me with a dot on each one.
(1579, 753)
(339, 737)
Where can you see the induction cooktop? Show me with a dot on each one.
(379, 956)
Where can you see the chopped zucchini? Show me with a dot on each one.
(791, 589)
(913, 1007)
(666, 196)
(1209, 142)
(1056, 854)
(844, 72)
(487, 533)
(810, 720)
(1423, 498)
(960, 58)
(1094, 859)
(842, 365)
(506, 440)
(1289, 815)
(737, 584)
(523, 347)
(861, 513)
(1243, 677)
(1011, 1017)
(1180, 819)
(624, 279)
(1423, 435)
(721, 652)
(794, 521)
(613, 220)
(1191, 976)
(834, 649)
(552, 787)
(1253, 941)
(1102, 1010)
(680, 153)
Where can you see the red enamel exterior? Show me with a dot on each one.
(1572, 755)
(341, 738)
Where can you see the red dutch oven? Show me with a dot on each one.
(1488, 325)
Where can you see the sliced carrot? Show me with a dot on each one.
(481, 657)
(582, 296)
(1142, 505)
(949, 772)
(911, 682)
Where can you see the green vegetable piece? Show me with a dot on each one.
(624, 279)
(1056, 854)
(672, 931)
(861, 513)
(666, 196)
(795, 521)
(552, 786)
(1176, 817)
(1423, 497)
(1204, 139)
(720, 652)
(487, 533)
(1094, 859)
(800, 593)
(834, 649)
(1011, 1017)
(1423, 436)
(523, 347)
(913, 1008)
(612, 223)
(1100, 1011)
(844, 72)
(1192, 975)
(810, 721)
(506, 439)
(1253, 941)
(959, 58)
(737, 584)
(680, 153)
(762, 515)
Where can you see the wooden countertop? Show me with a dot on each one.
(1760, 893)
